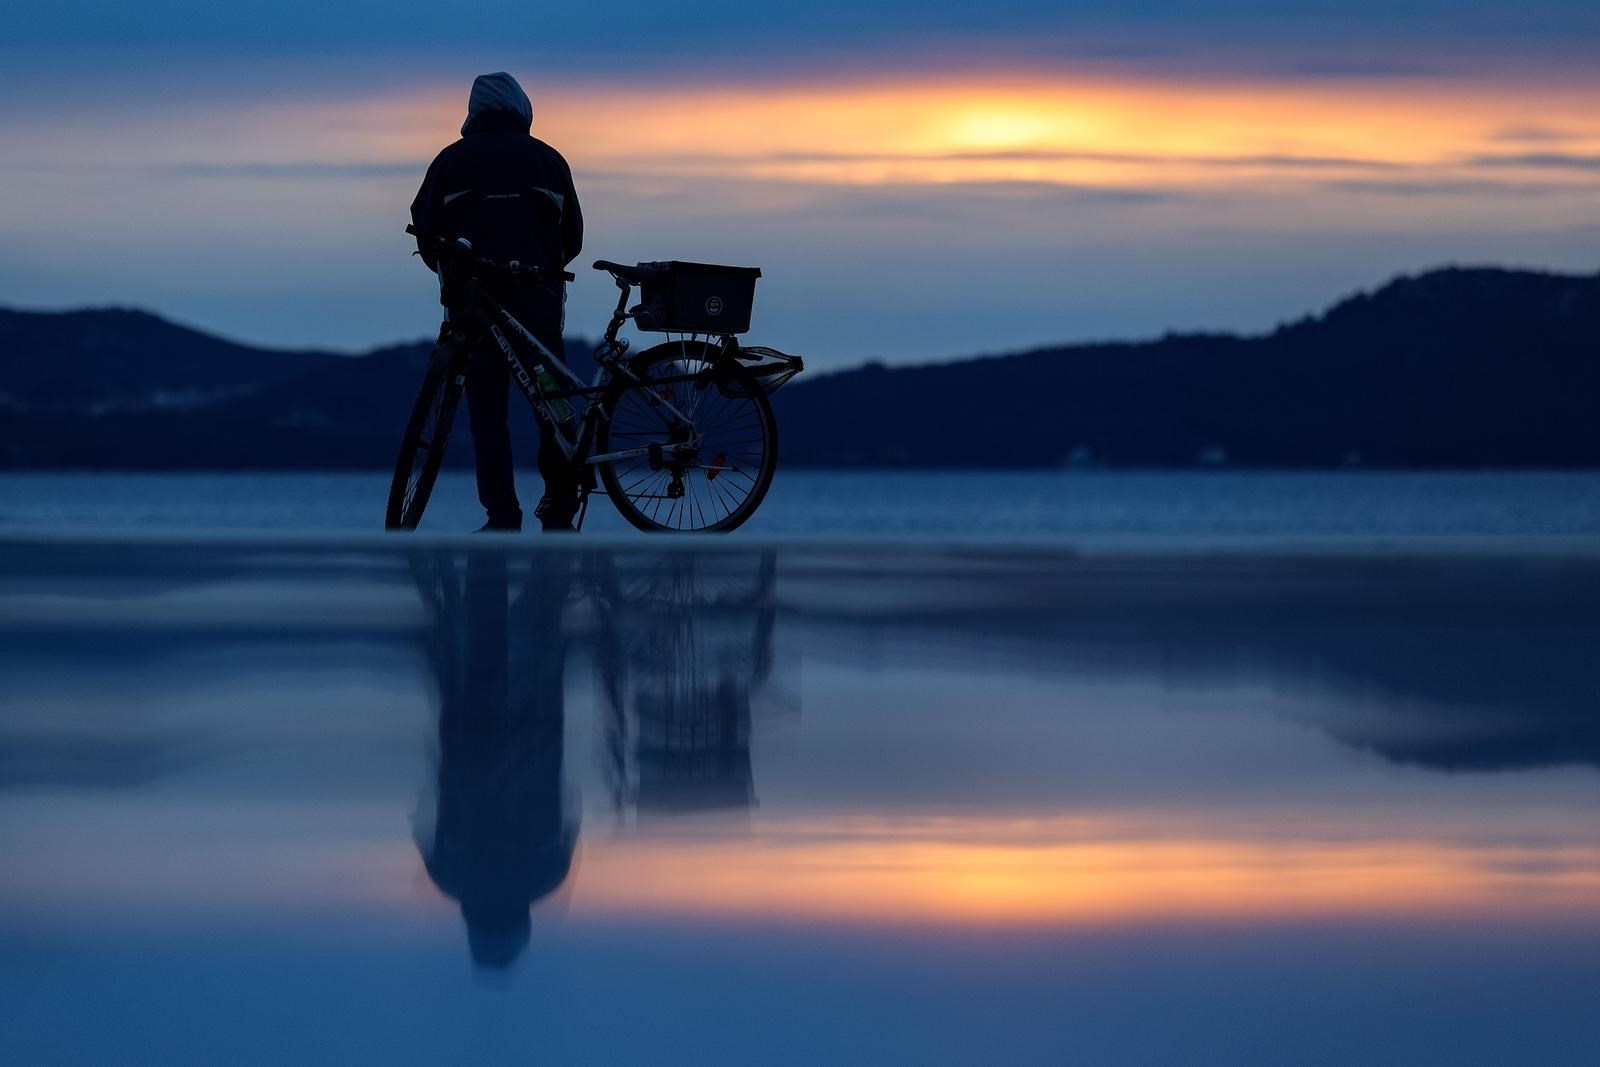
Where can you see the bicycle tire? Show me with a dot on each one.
(630, 483)
(427, 433)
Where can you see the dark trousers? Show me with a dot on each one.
(488, 408)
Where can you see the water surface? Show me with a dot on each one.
(993, 506)
(412, 800)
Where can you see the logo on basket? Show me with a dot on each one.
(714, 306)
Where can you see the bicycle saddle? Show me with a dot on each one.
(637, 275)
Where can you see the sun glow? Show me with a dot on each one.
(1071, 133)
(1014, 128)
(980, 129)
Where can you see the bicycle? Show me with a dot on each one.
(682, 434)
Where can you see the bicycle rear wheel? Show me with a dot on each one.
(422, 448)
(708, 475)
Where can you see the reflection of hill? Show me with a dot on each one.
(86, 761)
(1453, 663)
(1452, 660)
(1482, 694)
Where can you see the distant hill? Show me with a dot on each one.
(116, 389)
(1451, 368)
(116, 359)
(1455, 367)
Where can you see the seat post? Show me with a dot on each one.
(620, 314)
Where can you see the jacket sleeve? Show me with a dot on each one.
(425, 211)
(571, 220)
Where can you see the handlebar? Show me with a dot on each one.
(459, 250)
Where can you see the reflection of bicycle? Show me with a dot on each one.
(683, 649)
(681, 434)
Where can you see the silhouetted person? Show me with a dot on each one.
(511, 195)
(500, 838)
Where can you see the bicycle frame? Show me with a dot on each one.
(480, 305)
(490, 315)
(647, 425)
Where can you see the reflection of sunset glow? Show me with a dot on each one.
(1047, 871)
(987, 873)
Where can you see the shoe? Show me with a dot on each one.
(553, 518)
(500, 527)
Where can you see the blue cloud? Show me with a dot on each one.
(634, 26)
(1542, 161)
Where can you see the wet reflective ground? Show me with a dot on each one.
(394, 801)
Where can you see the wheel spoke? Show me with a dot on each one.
(726, 454)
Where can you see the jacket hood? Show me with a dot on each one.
(497, 103)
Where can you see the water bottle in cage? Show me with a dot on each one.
(559, 408)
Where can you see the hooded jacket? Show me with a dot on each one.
(507, 192)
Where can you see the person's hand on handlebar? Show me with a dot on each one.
(461, 249)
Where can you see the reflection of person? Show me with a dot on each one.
(500, 837)
(511, 195)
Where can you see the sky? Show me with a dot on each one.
(917, 181)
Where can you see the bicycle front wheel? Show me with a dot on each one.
(422, 448)
(706, 471)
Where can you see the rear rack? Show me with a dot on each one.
(770, 368)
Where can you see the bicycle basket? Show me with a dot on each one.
(770, 368)
(696, 298)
